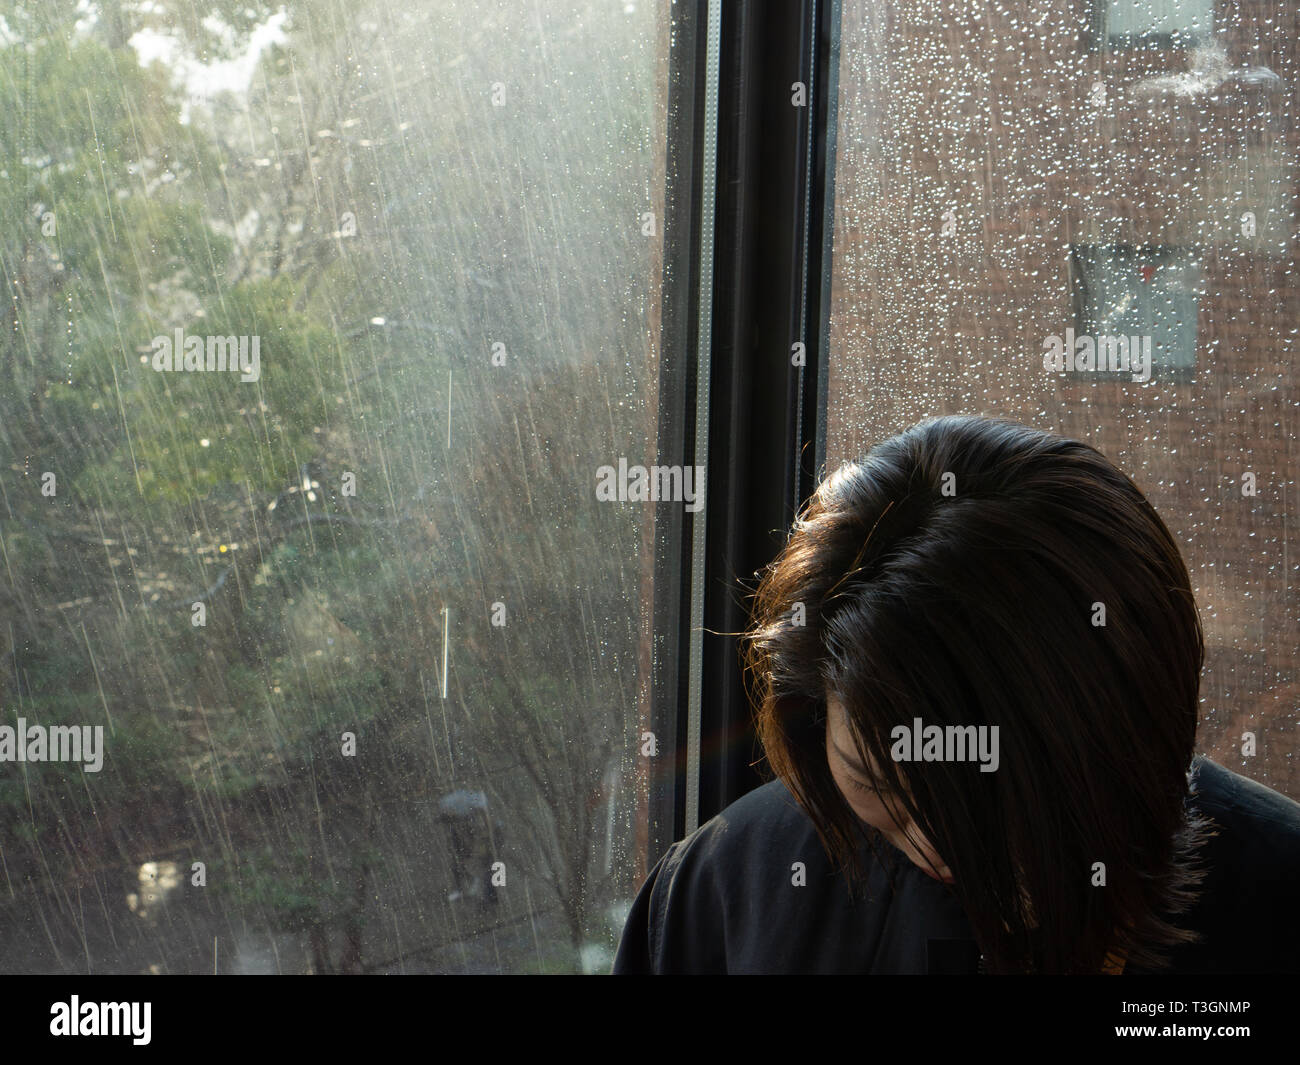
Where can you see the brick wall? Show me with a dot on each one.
(977, 142)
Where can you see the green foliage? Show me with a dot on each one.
(119, 223)
(289, 885)
(195, 431)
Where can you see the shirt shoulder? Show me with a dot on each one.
(1255, 812)
(678, 921)
(753, 890)
(1252, 864)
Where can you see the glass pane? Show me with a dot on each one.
(1136, 305)
(1138, 21)
(320, 319)
(1003, 187)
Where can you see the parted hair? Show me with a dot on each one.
(973, 571)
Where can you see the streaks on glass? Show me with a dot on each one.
(319, 317)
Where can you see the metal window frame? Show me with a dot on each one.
(751, 220)
(678, 374)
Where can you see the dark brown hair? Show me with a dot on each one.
(957, 573)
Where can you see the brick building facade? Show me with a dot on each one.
(1008, 171)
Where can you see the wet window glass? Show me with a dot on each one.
(1136, 307)
(318, 650)
(1027, 203)
(1138, 22)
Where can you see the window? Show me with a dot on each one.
(1136, 310)
(1129, 23)
(1010, 195)
(319, 322)
(362, 607)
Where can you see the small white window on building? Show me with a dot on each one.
(1154, 23)
(1125, 291)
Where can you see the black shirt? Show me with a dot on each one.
(726, 899)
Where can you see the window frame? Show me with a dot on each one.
(761, 246)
